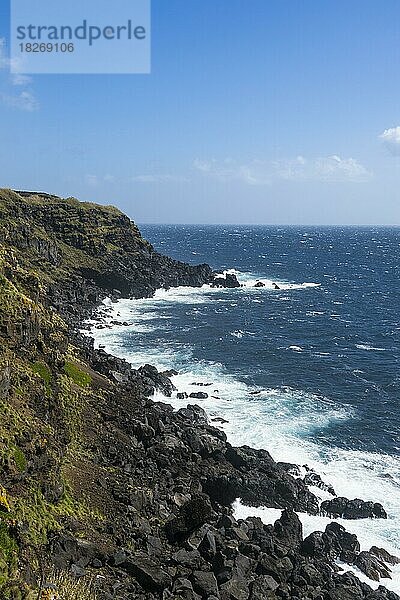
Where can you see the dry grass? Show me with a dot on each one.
(63, 586)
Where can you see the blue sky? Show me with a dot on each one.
(256, 111)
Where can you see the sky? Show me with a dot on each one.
(256, 111)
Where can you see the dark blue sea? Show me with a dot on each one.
(322, 352)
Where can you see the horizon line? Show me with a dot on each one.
(346, 225)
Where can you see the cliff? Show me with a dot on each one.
(104, 493)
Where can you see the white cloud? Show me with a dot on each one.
(19, 79)
(96, 180)
(159, 179)
(4, 61)
(254, 173)
(328, 168)
(24, 100)
(257, 172)
(391, 139)
(92, 180)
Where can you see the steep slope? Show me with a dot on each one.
(57, 257)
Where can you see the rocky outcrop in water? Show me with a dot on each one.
(229, 280)
(353, 509)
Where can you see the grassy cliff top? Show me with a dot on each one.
(56, 237)
(65, 218)
(45, 199)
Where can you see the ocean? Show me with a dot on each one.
(309, 371)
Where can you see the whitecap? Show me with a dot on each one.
(284, 421)
(363, 528)
(368, 347)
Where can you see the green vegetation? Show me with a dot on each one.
(45, 390)
(77, 374)
(42, 516)
(4, 505)
(8, 554)
(12, 426)
(19, 459)
(43, 371)
(12, 302)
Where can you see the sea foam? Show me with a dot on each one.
(281, 420)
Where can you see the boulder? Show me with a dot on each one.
(192, 514)
(147, 572)
(353, 509)
(333, 543)
(289, 529)
(194, 413)
(384, 556)
(199, 395)
(347, 542)
(159, 380)
(205, 584)
(263, 588)
(371, 566)
(184, 589)
(236, 588)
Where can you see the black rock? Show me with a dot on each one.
(347, 541)
(184, 589)
(199, 395)
(333, 543)
(159, 380)
(262, 587)
(219, 419)
(229, 281)
(371, 566)
(236, 588)
(312, 478)
(205, 584)
(353, 509)
(147, 572)
(194, 413)
(192, 514)
(170, 373)
(384, 555)
(289, 530)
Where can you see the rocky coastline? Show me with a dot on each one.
(99, 481)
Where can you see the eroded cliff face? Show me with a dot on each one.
(102, 483)
(81, 250)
